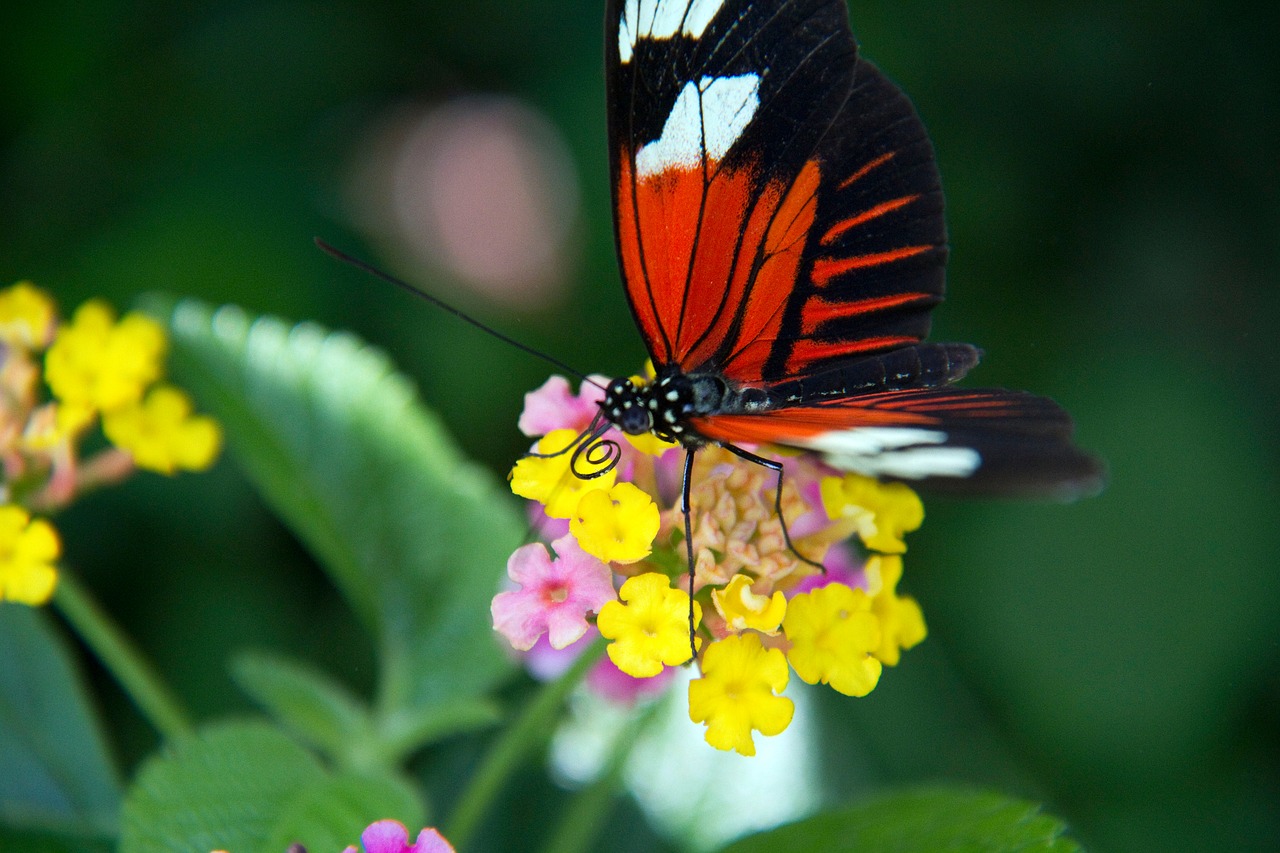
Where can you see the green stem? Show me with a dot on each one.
(592, 806)
(134, 673)
(529, 731)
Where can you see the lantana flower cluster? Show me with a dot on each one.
(58, 380)
(390, 836)
(826, 607)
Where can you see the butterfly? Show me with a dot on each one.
(778, 215)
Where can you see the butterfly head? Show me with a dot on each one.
(627, 406)
(659, 407)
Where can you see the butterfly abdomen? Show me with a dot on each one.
(919, 366)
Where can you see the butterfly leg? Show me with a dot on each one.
(688, 542)
(776, 467)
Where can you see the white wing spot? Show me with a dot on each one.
(704, 123)
(662, 19)
(910, 453)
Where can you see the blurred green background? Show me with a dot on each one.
(1114, 196)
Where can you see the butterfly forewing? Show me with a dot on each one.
(779, 222)
(777, 206)
(874, 263)
(715, 112)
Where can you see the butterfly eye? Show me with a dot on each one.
(635, 419)
(625, 406)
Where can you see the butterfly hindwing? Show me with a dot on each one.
(991, 440)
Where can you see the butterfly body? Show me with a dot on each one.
(666, 406)
(779, 221)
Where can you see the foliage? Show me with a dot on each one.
(340, 446)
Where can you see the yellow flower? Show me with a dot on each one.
(102, 364)
(833, 636)
(161, 433)
(901, 622)
(649, 627)
(28, 549)
(26, 316)
(649, 443)
(742, 609)
(882, 512)
(616, 525)
(737, 693)
(549, 479)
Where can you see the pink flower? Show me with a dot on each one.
(390, 836)
(546, 527)
(612, 683)
(554, 596)
(547, 664)
(842, 567)
(553, 406)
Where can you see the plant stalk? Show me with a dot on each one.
(122, 658)
(528, 732)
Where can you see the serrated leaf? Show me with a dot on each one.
(55, 770)
(307, 702)
(931, 820)
(331, 814)
(345, 452)
(222, 789)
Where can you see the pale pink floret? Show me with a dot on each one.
(390, 836)
(841, 565)
(547, 664)
(553, 406)
(555, 596)
(604, 678)
(615, 685)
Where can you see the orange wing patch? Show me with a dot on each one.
(819, 311)
(825, 269)
(788, 426)
(812, 345)
(708, 253)
(866, 216)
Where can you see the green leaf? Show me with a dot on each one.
(223, 789)
(954, 820)
(331, 814)
(324, 714)
(55, 771)
(345, 452)
(403, 732)
(246, 786)
(307, 702)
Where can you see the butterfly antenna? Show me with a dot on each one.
(439, 303)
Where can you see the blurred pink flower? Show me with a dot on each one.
(612, 683)
(482, 187)
(547, 664)
(391, 836)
